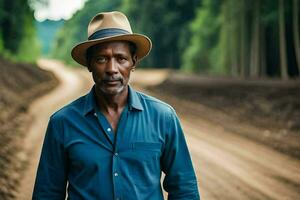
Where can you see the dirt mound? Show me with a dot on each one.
(269, 109)
(20, 84)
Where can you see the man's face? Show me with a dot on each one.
(111, 64)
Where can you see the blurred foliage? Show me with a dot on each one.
(17, 31)
(205, 28)
(166, 23)
(230, 37)
(243, 38)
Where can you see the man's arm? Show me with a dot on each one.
(51, 178)
(180, 181)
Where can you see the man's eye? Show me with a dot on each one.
(100, 59)
(122, 59)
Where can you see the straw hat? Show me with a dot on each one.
(110, 26)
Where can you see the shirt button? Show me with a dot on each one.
(109, 129)
(116, 174)
(95, 114)
(116, 154)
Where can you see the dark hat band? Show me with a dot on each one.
(107, 33)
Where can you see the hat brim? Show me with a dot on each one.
(142, 42)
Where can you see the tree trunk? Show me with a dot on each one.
(282, 42)
(255, 49)
(296, 32)
(263, 59)
(243, 39)
(226, 40)
(234, 34)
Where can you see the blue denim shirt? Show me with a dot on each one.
(82, 154)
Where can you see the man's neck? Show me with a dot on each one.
(109, 104)
(112, 106)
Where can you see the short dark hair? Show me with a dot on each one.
(90, 51)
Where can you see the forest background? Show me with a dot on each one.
(240, 38)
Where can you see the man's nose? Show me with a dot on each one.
(112, 67)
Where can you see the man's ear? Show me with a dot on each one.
(134, 60)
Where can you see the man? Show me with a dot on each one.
(114, 142)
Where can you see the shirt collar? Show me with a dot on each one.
(90, 102)
(134, 101)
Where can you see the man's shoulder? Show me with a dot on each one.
(71, 109)
(151, 102)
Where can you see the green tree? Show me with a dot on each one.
(201, 49)
(29, 47)
(296, 31)
(166, 23)
(282, 40)
(17, 31)
(245, 38)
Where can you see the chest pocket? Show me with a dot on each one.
(146, 169)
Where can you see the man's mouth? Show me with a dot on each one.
(112, 82)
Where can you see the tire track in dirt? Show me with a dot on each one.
(232, 167)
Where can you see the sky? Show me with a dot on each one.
(59, 9)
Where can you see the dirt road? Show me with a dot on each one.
(228, 166)
(73, 83)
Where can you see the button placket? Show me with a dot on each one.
(116, 155)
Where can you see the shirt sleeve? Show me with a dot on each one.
(180, 181)
(51, 178)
